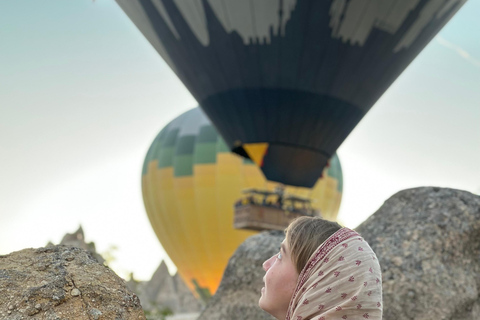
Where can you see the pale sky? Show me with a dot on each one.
(83, 94)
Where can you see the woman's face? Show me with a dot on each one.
(280, 281)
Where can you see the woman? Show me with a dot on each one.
(322, 272)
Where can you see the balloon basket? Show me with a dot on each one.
(260, 218)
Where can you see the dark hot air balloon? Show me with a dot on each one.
(286, 81)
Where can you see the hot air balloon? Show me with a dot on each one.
(190, 182)
(286, 81)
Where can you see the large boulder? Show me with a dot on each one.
(62, 282)
(160, 294)
(239, 291)
(428, 244)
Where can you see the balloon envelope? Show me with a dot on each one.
(285, 81)
(190, 183)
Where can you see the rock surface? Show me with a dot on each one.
(428, 244)
(161, 293)
(239, 291)
(62, 282)
(77, 239)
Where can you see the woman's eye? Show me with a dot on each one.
(279, 256)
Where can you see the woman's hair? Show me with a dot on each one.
(304, 235)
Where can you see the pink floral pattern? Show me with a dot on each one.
(329, 285)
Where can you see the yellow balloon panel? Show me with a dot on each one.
(193, 216)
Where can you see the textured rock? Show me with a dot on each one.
(165, 291)
(159, 293)
(77, 239)
(428, 244)
(62, 282)
(239, 291)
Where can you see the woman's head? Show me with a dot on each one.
(304, 235)
(282, 269)
(322, 270)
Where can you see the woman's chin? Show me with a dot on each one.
(262, 298)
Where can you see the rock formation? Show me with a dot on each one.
(428, 244)
(238, 294)
(165, 292)
(77, 239)
(161, 293)
(62, 282)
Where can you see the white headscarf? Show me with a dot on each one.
(341, 280)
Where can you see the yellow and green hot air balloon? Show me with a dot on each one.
(190, 183)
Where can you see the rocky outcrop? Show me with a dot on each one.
(239, 291)
(62, 282)
(428, 244)
(164, 291)
(77, 239)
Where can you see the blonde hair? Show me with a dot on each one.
(304, 235)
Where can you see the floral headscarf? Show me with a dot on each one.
(341, 280)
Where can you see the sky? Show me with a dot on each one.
(83, 94)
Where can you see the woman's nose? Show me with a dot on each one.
(268, 263)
